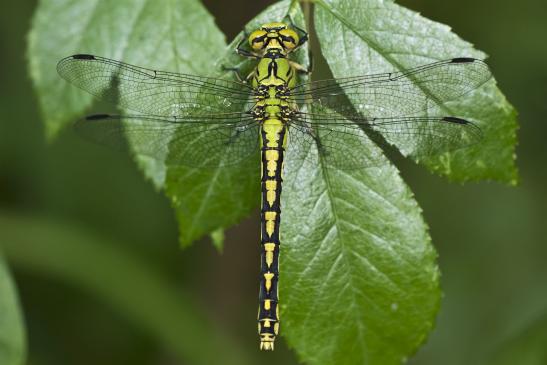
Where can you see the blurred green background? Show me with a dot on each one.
(94, 248)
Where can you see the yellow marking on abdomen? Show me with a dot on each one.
(272, 156)
(268, 277)
(270, 222)
(271, 187)
(269, 248)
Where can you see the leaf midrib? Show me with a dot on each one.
(359, 323)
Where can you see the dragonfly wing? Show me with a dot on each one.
(194, 143)
(410, 92)
(152, 92)
(341, 141)
(425, 137)
(342, 146)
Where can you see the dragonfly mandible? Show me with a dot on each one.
(208, 122)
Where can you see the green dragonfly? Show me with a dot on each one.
(207, 122)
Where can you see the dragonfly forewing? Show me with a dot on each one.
(408, 93)
(152, 92)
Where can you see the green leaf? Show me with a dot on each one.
(370, 36)
(208, 200)
(359, 281)
(177, 36)
(12, 333)
(526, 348)
(140, 292)
(170, 35)
(165, 34)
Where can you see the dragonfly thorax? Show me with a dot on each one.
(272, 109)
(276, 72)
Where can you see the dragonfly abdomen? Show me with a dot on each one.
(273, 134)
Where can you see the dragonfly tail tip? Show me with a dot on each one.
(267, 343)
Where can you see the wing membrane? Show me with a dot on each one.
(410, 92)
(200, 121)
(204, 143)
(395, 108)
(340, 142)
(152, 92)
(343, 147)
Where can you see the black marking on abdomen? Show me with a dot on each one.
(268, 313)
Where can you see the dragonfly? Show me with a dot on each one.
(208, 122)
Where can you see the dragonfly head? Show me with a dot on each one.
(274, 35)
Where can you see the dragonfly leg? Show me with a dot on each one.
(237, 72)
(301, 69)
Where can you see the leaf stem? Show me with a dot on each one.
(306, 9)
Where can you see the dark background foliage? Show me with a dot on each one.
(490, 237)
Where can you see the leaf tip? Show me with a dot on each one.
(217, 239)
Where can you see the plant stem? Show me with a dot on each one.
(306, 9)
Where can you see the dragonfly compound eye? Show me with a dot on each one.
(257, 39)
(289, 38)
